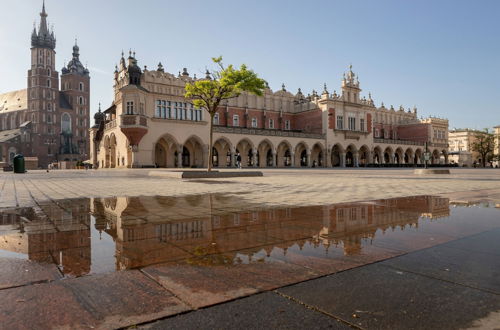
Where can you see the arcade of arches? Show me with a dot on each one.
(169, 153)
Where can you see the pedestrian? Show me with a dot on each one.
(238, 160)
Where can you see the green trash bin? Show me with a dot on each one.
(19, 164)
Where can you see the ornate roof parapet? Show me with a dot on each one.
(350, 79)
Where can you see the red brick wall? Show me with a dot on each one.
(331, 118)
(369, 122)
(309, 121)
(272, 115)
(414, 132)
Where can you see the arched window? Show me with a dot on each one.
(80, 100)
(81, 87)
(254, 122)
(236, 120)
(48, 72)
(48, 83)
(49, 106)
(216, 119)
(66, 123)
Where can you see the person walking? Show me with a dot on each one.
(238, 160)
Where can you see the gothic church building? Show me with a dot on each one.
(47, 120)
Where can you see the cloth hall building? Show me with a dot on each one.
(48, 120)
(151, 124)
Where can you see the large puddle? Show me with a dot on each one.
(87, 236)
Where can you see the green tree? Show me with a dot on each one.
(484, 145)
(222, 84)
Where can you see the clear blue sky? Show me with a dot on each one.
(442, 56)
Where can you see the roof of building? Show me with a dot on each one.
(63, 101)
(9, 134)
(14, 101)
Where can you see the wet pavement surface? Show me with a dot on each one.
(415, 262)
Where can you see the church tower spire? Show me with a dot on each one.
(44, 38)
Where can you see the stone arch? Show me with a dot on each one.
(245, 148)
(364, 157)
(193, 152)
(265, 154)
(408, 156)
(284, 154)
(417, 158)
(337, 155)
(301, 154)
(112, 151)
(221, 154)
(317, 157)
(166, 151)
(388, 156)
(398, 156)
(107, 152)
(377, 156)
(350, 155)
(435, 157)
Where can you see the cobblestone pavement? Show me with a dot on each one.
(276, 187)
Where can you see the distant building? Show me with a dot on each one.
(45, 120)
(496, 133)
(151, 124)
(460, 151)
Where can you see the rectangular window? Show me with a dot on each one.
(236, 120)
(216, 119)
(351, 123)
(377, 132)
(254, 122)
(130, 108)
(340, 122)
(271, 123)
(158, 109)
(287, 125)
(362, 124)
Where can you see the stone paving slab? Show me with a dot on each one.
(262, 311)
(381, 297)
(472, 268)
(202, 286)
(100, 301)
(18, 272)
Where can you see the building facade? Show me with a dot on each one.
(460, 150)
(52, 114)
(496, 152)
(151, 124)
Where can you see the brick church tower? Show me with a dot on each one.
(59, 117)
(43, 91)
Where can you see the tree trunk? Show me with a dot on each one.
(210, 147)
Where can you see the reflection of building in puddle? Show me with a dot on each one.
(151, 230)
(349, 224)
(60, 234)
(212, 228)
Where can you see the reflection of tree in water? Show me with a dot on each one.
(194, 200)
(209, 256)
(166, 201)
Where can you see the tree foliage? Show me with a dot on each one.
(222, 84)
(484, 144)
